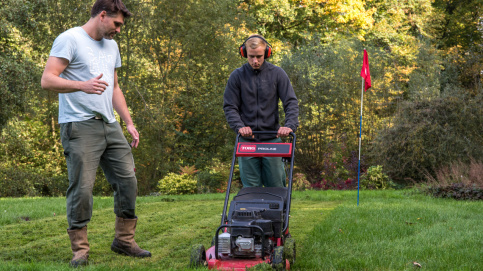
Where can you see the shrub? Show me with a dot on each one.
(31, 161)
(339, 169)
(374, 178)
(177, 184)
(190, 170)
(457, 191)
(215, 178)
(462, 181)
(339, 164)
(340, 185)
(426, 135)
(210, 181)
(15, 183)
(20, 182)
(300, 183)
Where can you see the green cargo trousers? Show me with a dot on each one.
(88, 144)
(262, 171)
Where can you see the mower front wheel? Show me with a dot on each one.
(198, 256)
(278, 258)
(290, 250)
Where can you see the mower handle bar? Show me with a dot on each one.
(266, 133)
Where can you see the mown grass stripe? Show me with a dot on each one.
(389, 231)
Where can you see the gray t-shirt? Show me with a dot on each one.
(88, 58)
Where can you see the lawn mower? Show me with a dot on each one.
(255, 230)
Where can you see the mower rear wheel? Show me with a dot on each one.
(290, 250)
(278, 258)
(198, 256)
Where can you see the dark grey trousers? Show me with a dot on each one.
(88, 144)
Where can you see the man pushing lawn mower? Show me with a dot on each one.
(255, 230)
(251, 104)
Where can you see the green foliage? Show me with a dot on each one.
(177, 184)
(462, 23)
(375, 178)
(456, 191)
(424, 81)
(328, 86)
(300, 182)
(20, 26)
(399, 26)
(15, 183)
(462, 70)
(31, 163)
(15, 85)
(296, 21)
(28, 144)
(210, 181)
(215, 178)
(335, 166)
(461, 41)
(428, 135)
(177, 56)
(21, 182)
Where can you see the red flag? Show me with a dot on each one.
(365, 72)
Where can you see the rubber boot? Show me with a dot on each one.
(79, 245)
(124, 239)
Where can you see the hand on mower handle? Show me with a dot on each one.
(246, 132)
(284, 131)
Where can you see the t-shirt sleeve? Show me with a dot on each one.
(64, 47)
(118, 59)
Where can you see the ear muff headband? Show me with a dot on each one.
(243, 49)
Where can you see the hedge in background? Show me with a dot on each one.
(429, 135)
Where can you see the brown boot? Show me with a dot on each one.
(124, 240)
(79, 245)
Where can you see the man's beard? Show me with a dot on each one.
(110, 36)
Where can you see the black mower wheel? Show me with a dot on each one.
(278, 258)
(290, 250)
(198, 256)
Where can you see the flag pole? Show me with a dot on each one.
(363, 74)
(360, 140)
(366, 84)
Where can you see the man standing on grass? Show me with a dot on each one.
(82, 69)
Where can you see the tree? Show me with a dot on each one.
(177, 56)
(461, 38)
(327, 83)
(294, 21)
(17, 59)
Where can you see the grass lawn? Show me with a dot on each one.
(389, 230)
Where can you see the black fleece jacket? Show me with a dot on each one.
(251, 98)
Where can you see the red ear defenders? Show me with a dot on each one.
(243, 50)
